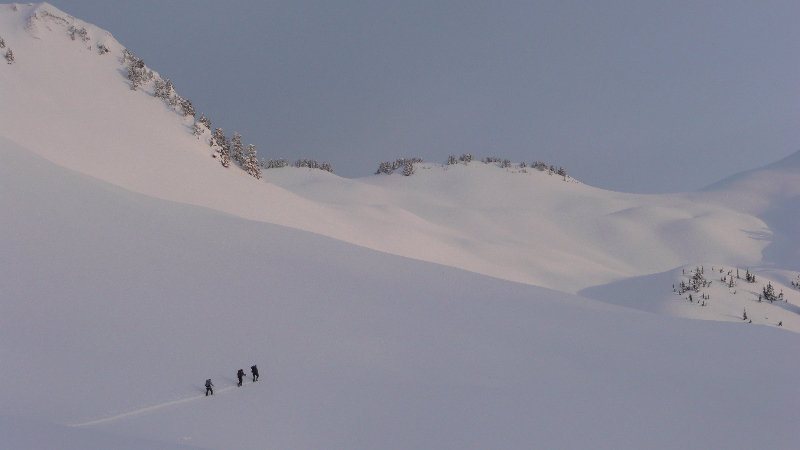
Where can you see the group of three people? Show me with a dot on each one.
(239, 375)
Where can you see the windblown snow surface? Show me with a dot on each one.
(465, 306)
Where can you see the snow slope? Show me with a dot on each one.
(128, 303)
(526, 227)
(134, 267)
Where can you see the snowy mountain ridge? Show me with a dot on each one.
(530, 228)
(435, 310)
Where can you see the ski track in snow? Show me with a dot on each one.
(153, 408)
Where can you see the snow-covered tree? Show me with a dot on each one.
(505, 164)
(10, 56)
(408, 168)
(219, 139)
(205, 121)
(385, 167)
(238, 150)
(163, 89)
(540, 166)
(326, 167)
(769, 293)
(251, 162)
(307, 163)
(199, 129)
(749, 277)
(186, 107)
(102, 49)
(277, 163)
(137, 72)
(452, 160)
(2, 43)
(466, 157)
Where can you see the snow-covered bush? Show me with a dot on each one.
(10, 56)
(75, 32)
(452, 160)
(466, 157)
(2, 43)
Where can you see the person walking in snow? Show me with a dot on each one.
(240, 374)
(209, 387)
(254, 371)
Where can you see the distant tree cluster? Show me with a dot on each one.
(542, 167)
(313, 164)
(163, 89)
(275, 163)
(696, 282)
(102, 49)
(749, 277)
(506, 163)
(768, 293)
(407, 164)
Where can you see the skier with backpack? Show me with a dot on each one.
(254, 371)
(209, 387)
(240, 374)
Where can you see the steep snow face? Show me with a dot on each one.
(70, 103)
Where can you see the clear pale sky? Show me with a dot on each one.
(632, 96)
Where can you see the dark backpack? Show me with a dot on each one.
(208, 383)
(254, 369)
